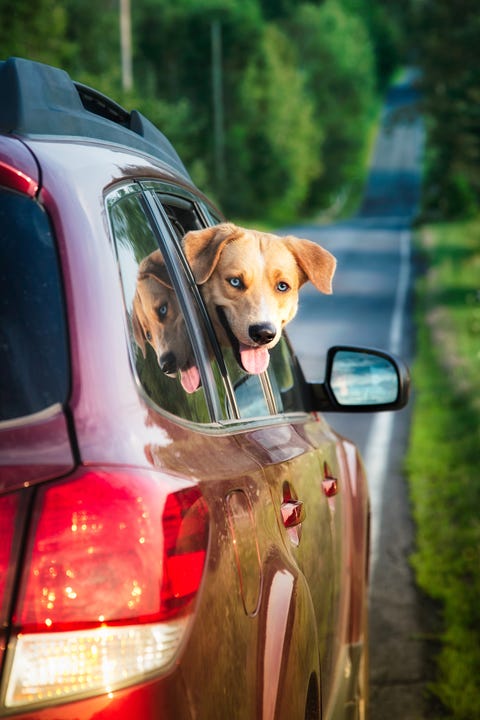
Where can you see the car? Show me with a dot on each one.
(167, 550)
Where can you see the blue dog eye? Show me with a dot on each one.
(283, 286)
(235, 282)
(162, 310)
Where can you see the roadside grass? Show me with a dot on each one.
(443, 461)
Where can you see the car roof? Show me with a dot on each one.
(38, 100)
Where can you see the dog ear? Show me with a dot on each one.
(154, 266)
(138, 333)
(203, 248)
(316, 263)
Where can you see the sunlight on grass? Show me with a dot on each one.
(444, 455)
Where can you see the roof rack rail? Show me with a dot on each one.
(41, 100)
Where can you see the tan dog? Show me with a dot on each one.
(250, 282)
(158, 320)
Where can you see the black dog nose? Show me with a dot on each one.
(262, 333)
(168, 363)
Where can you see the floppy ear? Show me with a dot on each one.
(154, 266)
(203, 248)
(316, 263)
(138, 333)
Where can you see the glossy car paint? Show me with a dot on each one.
(279, 608)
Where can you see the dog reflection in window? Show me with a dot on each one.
(158, 320)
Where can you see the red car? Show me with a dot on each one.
(164, 553)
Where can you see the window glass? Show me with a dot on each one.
(33, 338)
(248, 389)
(284, 378)
(162, 351)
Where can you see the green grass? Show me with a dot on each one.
(444, 456)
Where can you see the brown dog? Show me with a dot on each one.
(158, 320)
(250, 282)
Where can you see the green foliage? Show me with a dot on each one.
(297, 83)
(38, 34)
(336, 56)
(388, 25)
(444, 455)
(448, 35)
(275, 144)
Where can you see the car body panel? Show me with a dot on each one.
(278, 622)
(318, 546)
(35, 448)
(114, 424)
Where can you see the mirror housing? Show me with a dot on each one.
(361, 380)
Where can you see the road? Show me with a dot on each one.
(372, 306)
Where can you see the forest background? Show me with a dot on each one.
(272, 103)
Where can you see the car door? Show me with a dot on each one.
(248, 616)
(302, 460)
(299, 461)
(299, 458)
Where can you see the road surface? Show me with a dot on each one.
(372, 306)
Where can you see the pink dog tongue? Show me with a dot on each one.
(190, 379)
(254, 360)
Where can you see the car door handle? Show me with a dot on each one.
(293, 513)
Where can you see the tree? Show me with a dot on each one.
(274, 145)
(336, 55)
(448, 36)
(38, 35)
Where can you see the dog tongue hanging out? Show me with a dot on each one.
(250, 282)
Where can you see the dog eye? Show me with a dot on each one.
(282, 286)
(148, 335)
(236, 283)
(162, 310)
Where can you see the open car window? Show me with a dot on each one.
(173, 344)
(249, 397)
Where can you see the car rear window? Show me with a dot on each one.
(33, 341)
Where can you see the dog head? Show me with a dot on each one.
(250, 282)
(158, 320)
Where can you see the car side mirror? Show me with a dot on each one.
(361, 380)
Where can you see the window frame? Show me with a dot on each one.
(151, 193)
(202, 211)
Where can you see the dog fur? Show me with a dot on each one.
(250, 281)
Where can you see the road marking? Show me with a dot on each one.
(396, 329)
(379, 440)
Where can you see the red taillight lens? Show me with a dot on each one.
(112, 548)
(17, 180)
(184, 552)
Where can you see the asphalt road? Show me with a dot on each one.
(372, 306)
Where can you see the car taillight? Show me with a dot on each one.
(8, 517)
(113, 566)
(17, 180)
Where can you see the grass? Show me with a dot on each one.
(443, 461)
